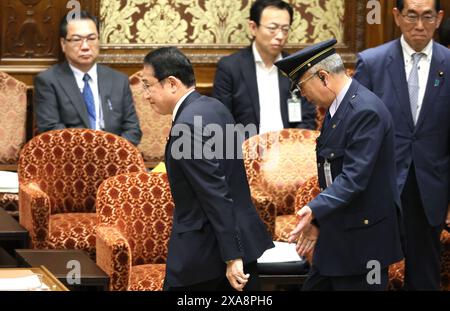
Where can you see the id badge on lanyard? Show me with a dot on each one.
(294, 107)
(327, 173)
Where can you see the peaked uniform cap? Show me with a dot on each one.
(295, 65)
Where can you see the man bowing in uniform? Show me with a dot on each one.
(355, 218)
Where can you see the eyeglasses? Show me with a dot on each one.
(275, 28)
(299, 84)
(78, 40)
(414, 18)
(147, 86)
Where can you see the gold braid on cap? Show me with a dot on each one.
(309, 60)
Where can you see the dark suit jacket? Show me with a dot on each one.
(235, 85)
(359, 212)
(214, 219)
(59, 103)
(426, 145)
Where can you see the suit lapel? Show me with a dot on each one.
(333, 126)
(432, 90)
(69, 84)
(396, 68)
(104, 88)
(248, 73)
(284, 85)
(188, 100)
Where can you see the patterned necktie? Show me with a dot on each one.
(326, 120)
(89, 101)
(413, 85)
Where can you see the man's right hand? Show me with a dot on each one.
(307, 240)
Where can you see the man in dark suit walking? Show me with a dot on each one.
(217, 233)
(411, 75)
(250, 85)
(355, 217)
(81, 93)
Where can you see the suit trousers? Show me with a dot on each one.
(222, 284)
(317, 282)
(423, 246)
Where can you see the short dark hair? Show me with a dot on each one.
(169, 61)
(444, 32)
(259, 5)
(83, 15)
(400, 5)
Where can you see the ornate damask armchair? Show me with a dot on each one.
(135, 220)
(277, 164)
(13, 114)
(155, 127)
(59, 173)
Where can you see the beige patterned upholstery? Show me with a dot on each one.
(59, 173)
(305, 194)
(277, 164)
(13, 112)
(135, 220)
(155, 127)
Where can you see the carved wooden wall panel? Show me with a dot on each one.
(29, 28)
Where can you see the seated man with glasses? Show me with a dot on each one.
(81, 93)
(410, 75)
(250, 85)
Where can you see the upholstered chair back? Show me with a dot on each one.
(59, 174)
(13, 112)
(69, 165)
(140, 207)
(278, 163)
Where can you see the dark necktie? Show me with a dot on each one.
(89, 101)
(326, 120)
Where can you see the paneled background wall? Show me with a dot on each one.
(205, 30)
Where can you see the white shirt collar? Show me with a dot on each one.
(80, 74)
(337, 102)
(258, 58)
(179, 102)
(408, 51)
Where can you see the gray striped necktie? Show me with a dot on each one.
(413, 85)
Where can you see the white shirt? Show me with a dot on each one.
(337, 102)
(424, 68)
(179, 102)
(269, 95)
(93, 83)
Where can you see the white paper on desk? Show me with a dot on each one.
(282, 252)
(20, 281)
(9, 182)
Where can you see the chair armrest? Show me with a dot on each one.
(266, 209)
(113, 256)
(34, 213)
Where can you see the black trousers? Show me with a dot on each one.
(317, 282)
(222, 284)
(423, 247)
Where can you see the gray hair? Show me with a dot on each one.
(332, 64)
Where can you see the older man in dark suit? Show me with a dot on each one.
(250, 85)
(411, 75)
(81, 93)
(217, 233)
(355, 217)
